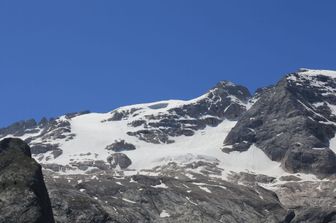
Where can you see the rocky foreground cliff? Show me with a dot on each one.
(23, 194)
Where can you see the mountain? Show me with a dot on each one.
(293, 122)
(87, 142)
(229, 155)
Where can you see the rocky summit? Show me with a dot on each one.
(293, 123)
(225, 156)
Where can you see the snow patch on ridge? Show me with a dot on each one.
(312, 72)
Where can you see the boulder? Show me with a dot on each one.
(23, 194)
(119, 160)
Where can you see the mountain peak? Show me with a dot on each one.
(226, 88)
(225, 83)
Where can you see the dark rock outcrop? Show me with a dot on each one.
(23, 195)
(20, 128)
(119, 160)
(119, 146)
(224, 101)
(292, 123)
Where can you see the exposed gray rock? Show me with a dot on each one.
(152, 136)
(57, 167)
(70, 205)
(119, 146)
(288, 126)
(251, 179)
(313, 202)
(119, 115)
(290, 178)
(23, 195)
(75, 114)
(85, 165)
(316, 215)
(45, 131)
(103, 198)
(19, 128)
(40, 148)
(119, 160)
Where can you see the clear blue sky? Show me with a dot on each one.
(63, 56)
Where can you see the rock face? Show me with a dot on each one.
(143, 199)
(292, 122)
(121, 145)
(23, 195)
(119, 160)
(314, 202)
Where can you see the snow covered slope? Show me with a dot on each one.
(147, 135)
(262, 133)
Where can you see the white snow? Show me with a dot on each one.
(332, 144)
(319, 149)
(191, 201)
(94, 178)
(164, 214)
(310, 72)
(133, 181)
(319, 187)
(129, 201)
(205, 189)
(310, 76)
(161, 185)
(209, 185)
(190, 176)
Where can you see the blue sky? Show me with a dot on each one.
(63, 56)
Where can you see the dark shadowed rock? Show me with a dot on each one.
(119, 146)
(75, 114)
(316, 215)
(23, 195)
(40, 148)
(119, 160)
